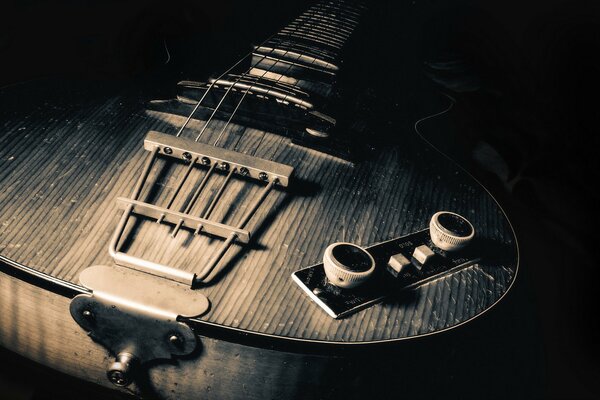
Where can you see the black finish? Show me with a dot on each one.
(455, 224)
(343, 302)
(533, 104)
(352, 258)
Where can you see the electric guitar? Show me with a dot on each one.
(248, 237)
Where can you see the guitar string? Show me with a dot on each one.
(282, 139)
(320, 5)
(264, 133)
(226, 181)
(241, 76)
(186, 174)
(199, 102)
(197, 106)
(252, 85)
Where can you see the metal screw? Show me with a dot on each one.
(120, 372)
(187, 156)
(175, 339)
(244, 171)
(263, 176)
(87, 314)
(117, 378)
(224, 166)
(205, 161)
(168, 150)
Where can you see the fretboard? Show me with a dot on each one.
(306, 53)
(285, 84)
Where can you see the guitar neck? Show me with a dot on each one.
(321, 31)
(307, 52)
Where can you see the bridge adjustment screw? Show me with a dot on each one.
(187, 156)
(205, 161)
(168, 150)
(244, 171)
(224, 166)
(263, 176)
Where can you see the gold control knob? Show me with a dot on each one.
(347, 265)
(450, 231)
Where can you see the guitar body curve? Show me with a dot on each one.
(64, 164)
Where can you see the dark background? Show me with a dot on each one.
(525, 79)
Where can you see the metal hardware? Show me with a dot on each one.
(232, 162)
(136, 317)
(294, 57)
(170, 216)
(264, 91)
(219, 155)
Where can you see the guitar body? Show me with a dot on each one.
(65, 159)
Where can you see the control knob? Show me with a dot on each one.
(450, 231)
(347, 265)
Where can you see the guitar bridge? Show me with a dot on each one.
(252, 169)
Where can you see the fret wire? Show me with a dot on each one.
(326, 30)
(318, 20)
(246, 92)
(347, 28)
(347, 9)
(348, 23)
(203, 183)
(227, 92)
(312, 39)
(289, 89)
(264, 133)
(240, 102)
(299, 47)
(304, 48)
(226, 245)
(243, 96)
(307, 32)
(307, 26)
(188, 119)
(335, 13)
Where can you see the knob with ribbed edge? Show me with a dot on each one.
(347, 265)
(450, 231)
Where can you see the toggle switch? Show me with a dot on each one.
(423, 254)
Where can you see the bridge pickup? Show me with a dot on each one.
(174, 217)
(243, 164)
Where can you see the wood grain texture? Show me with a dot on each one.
(216, 370)
(63, 164)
